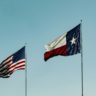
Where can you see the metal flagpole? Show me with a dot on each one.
(25, 72)
(81, 59)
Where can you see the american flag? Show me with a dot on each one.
(12, 63)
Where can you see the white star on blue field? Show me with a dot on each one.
(73, 41)
(37, 22)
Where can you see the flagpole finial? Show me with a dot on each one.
(25, 44)
(81, 20)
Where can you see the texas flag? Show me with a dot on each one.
(65, 45)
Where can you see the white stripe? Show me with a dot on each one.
(7, 60)
(23, 67)
(17, 62)
(16, 65)
(60, 41)
(9, 63)
(14, 68)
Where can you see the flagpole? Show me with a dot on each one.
(82, 89)
(25, 72)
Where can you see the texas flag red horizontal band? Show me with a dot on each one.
(55, 52)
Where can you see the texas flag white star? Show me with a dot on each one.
(73, 41)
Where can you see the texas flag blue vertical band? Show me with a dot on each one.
(73, 41)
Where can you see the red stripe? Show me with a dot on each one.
(58, 51)
(18, 65)
(8, 58)
(13, 65)
(8, 61)
(21, 68)
(17, 68)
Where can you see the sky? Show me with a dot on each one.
(36, 23)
